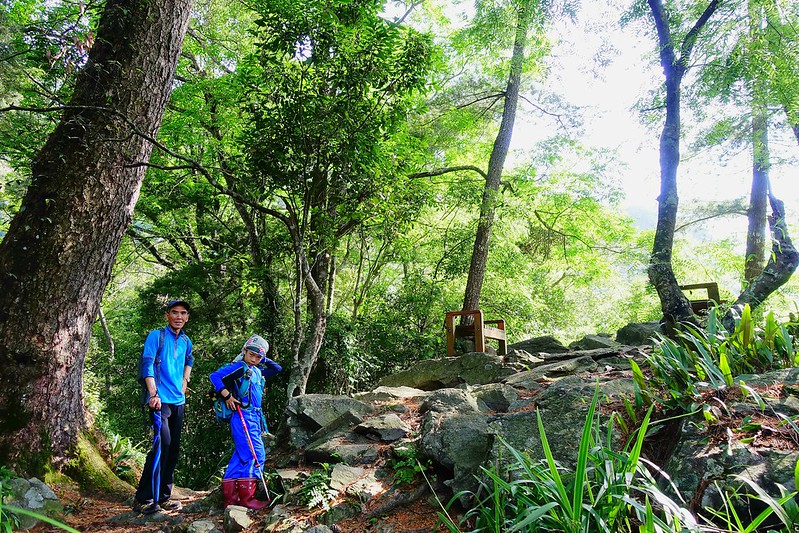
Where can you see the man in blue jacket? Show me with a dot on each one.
(166, 368)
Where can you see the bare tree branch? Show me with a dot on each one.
(447, 170)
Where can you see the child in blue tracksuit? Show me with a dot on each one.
(241, 383)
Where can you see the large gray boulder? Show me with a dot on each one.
(593, 342)
(384, 428)
(475, 368)
(349, 449)
(494, 397)
(563, 406)
(545, 344)
(458, 441)
(32, 495)
(638, 333)
(703, 468)
(309, 413)
(450, 401)
(390, 394)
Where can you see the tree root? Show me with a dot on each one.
(397, 498)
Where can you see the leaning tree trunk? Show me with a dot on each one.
(477, 267)
(781, 265)
(56, 258)
(673, 303)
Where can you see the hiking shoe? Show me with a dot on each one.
(149, 508)
(171, 505)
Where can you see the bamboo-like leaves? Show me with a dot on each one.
(607, 491)
(709, 355)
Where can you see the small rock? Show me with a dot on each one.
(236, 519)
(202, 526)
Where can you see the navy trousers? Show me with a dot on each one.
(163, 456)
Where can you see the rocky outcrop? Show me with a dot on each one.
(471, 369)
(458, 424)
(467, 409)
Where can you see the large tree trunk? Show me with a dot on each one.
(56, 258)
(477, 267)
(305, 348)
(758, 197)
(673, 303)
(757, 213)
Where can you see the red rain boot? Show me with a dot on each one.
(230, 492)
(247, 494)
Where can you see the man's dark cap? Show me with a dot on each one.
(173, 303)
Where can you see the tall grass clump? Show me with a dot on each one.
(607, 491)
(781, 512)
(714, 357)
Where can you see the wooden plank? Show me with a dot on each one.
(493, 333)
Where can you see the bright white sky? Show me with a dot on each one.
(611, 122)
(608, 93)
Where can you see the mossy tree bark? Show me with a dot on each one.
(56, 258)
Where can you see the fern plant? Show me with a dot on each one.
(315, 490)
(122, 452)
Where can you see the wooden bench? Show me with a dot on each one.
(702, 305)
(479, 329)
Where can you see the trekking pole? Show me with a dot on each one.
(252, 450)
(156, 477)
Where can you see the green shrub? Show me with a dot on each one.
(8, 520)
(406, 465)
(123, 454)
